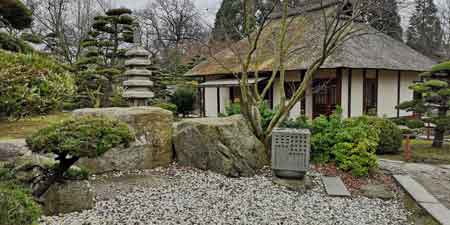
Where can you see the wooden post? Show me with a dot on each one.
(408, 152)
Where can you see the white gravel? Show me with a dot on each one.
(197, 197)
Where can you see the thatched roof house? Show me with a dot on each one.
(369, 73)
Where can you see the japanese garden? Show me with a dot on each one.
(224, 112)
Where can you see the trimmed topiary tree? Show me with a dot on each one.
(434, 101)
(74, 139)
(102, 62)
(391, 137)
(17, 207)
(184, 99)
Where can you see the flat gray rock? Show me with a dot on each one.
(335, 187)
(416, 190)
(438, 211)
(377, 191)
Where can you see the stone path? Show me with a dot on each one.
(335, 187)
(435, 179)
(424, 199)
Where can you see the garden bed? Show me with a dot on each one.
(422, 152)
(188, 196)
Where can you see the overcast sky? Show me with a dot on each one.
(209, 8)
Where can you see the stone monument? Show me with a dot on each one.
(138, 84)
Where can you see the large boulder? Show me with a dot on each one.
(223, 145)
(152, 147)
(10, 150)
(67, 197)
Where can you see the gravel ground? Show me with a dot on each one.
(188, 196)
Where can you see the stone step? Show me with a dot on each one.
(427, 201)
(335, 187)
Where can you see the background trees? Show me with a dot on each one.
(425, 32)
(384, 16)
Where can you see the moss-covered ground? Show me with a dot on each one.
(423, 152)
(27, 126)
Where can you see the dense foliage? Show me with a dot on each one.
(17, 207)
(390, 135)
(14, 14)
(425, 32)
(351, 143)
(184, 99)
(167, 106)
(434, 101)
(102, 63)
(265, 111)
(32, 85)
(77, 138)
(14, 44)
(356, 144)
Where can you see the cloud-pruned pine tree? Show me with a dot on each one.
(104, 55)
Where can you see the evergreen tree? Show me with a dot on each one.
(384, 16)
(425, 32)
(228, 22)
(229, 19)
(14, 14)
(103, 61)
(435, 100)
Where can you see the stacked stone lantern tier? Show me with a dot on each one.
(138, 84)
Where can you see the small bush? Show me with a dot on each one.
(233, 109)
(184, 99)
(324, 131)
(167, 106)
(17, 206)
(32, 85)
(264, 110)
(356, 144)
(74, 139)
(390, 135)
(301, 122)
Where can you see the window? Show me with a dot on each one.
(370, 93)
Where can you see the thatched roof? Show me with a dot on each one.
(371, 50)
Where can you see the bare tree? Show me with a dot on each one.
(63, 24)
(336, 24)
(445, 18)
(170, 27)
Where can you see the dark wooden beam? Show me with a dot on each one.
(218, 101)
(303, 103)
(350, 75)
(399, 83)
(377, 77)
(364, 91)
(339, 87)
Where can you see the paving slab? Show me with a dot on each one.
(335, 187)
(438, 211)
(416, 190)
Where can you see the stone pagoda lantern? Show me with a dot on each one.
(138, 84)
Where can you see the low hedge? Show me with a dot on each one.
(32, 85)
(390, 135)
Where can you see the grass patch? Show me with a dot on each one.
(422, 152)
(27, 126)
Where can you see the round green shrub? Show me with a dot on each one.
(184, 99)
(17, 207)
(81, 137)
(390, 135)
(355, 148)
(32, 85)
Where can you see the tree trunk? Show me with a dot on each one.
(438, 141)
(109, 91)
(59, 171)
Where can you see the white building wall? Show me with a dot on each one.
(344, 93)
(211, 102)
(406, 94)
(387, 93)
(224, 99)
(357, 93)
